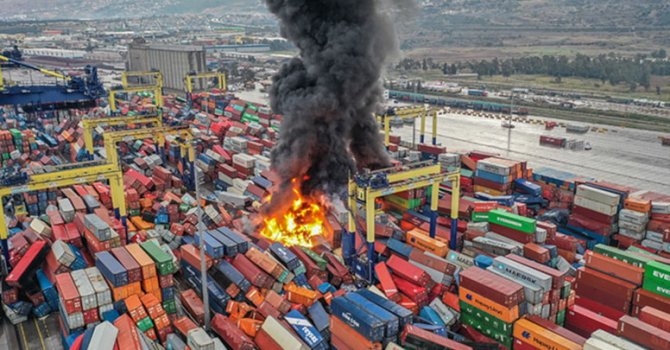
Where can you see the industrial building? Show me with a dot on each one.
(174, 61)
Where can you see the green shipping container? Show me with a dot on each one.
(622, 255)
(657, 278)
(163, 260)
(634, 249)
(560, 318)
(480, 217)
(320, 262)
(170, 306)
(486, 319)
(505, 340)
(513, 221)
(145, 324)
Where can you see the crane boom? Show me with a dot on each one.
(30, 66)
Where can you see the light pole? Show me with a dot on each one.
(201, 234)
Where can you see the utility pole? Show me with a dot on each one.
(201, 234)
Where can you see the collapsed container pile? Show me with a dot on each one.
(544, 259)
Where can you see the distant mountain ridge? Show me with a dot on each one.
(100, 9)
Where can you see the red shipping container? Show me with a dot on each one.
(350, 337)
(614, 267)
(605, 282)
(231, 334)
(598, 307)
(129, 263)
(655, 317)
(511, 233)
(549, 227)
(414, 292)
(193, 304)
(498, 289)
(68, 293)
(644, 334)
(593, 215)
(644, 298)
(387, 285)
(91, 316)
(33, 257)
(431, 337)
(536, 253)
(265, 341)
(584, 321)
(408, 271)
(128, 336)
(520, 345)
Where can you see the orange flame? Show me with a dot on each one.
(297, 224)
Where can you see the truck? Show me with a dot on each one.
(665, 140)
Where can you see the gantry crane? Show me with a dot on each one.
(90, 124)
(126, 88)
(188, 81)
(74, 176)
(157, 77)
(411, 113)
(179, 135)
(367, 187)
(75, 92)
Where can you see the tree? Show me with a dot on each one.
(424, 65)
(453, 69)
(658, 90)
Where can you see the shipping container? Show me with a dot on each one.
(111, 269)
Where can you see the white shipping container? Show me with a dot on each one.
(218, 345)
(660, 207)
(654, 236)
(609, 210)
(40, 227)
(443, 311)
(98, 227)
(66, 209)
(598, 195)
(614, 340)
(633, 216)
(492, 167)
(104, 337)
(597, 344)
(86, 291)
(655, 245)
(285, 339)
(243, 160)
(105, 308)
(632, 226)
(198, 339)
(63, 253)
(103, 294)
(73, 320)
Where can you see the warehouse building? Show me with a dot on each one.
(174, 61)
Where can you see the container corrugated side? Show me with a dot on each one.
(86, 291)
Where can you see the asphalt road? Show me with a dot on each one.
(629, 157)
(33, 334)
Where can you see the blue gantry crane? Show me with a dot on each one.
(71, 92)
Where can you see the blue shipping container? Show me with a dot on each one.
(359, 320)
(391, 322)
(404, 315)
(305, 330)
(111, 269)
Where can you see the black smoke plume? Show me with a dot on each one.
(328, 94)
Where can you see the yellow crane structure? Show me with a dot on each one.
(90, 124)
(128, 88)
(38, 182)
(156, 75)
(220, 81)
(179, 135)
(367, 187)
(156, 90)
(412, 113)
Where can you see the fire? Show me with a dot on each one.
(298, 223)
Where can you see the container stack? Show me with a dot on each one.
(494, 176)
(537, 333)
(595, 213)
(490, 303)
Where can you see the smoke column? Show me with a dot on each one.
(328, 94)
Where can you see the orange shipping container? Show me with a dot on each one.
(350, 337)
(150, 285)
(637, 204)
(505, 314)
(146, 263)
(128, 337)
(420, 240)
(541, 338)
